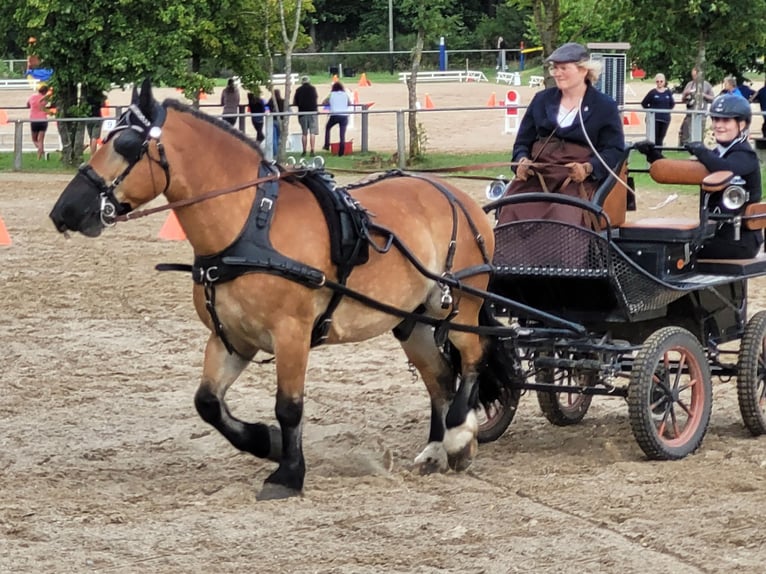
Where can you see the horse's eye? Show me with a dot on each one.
(129, 145)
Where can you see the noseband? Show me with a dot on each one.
(140, 132)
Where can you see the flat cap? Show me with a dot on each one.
(569, 52)
(305, 80)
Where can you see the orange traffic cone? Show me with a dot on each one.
(363, 81)
(631, 119)
(5, 239)
(105, 109)
(3, 117)
(429, 104)
(492, 101)
(171, 229)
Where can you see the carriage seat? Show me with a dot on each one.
(680, 229)
(612, 194)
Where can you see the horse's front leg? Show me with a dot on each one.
(291, 351)
(439, 378)
(460, 440)
(220, 370)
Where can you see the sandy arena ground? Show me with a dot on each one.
(106, 466)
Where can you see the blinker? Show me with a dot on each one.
(129, 144)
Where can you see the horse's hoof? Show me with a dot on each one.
(460, 461)
(273, 491)
(433, 459)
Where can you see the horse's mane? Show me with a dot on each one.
(226, 126)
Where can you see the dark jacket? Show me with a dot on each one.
(306, 98)
(742, 160)
(656, 100)
(599, 115)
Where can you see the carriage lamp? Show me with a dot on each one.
(735, 195)
(496, 189)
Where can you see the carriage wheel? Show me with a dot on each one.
(495, 417)
(751, 375)
(563, 409)
(670, 395)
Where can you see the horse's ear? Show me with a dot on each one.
(134, 95)
(146, 101)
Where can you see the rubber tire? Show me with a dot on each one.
(493, 425)
(751, 375)
(555, 409)
(644, 394)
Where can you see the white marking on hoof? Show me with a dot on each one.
(457, 438)
(433, 459)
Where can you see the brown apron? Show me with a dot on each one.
(552, 176)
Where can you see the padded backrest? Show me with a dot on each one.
(678, 171)
(612, 194)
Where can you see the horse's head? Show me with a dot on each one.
(101, 190)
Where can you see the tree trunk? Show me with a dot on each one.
(547, 19)
(412, 90)
(72, 134)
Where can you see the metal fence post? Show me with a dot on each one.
(18, 143)
(268, 143)
(365, 128)
(400, 150)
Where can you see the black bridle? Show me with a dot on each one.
(132, 136)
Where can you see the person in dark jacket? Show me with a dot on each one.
(731, 122)
(559, 135)
(659, 98)
(257, 108)
(306, 100)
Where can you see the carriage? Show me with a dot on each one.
(286, 260)
(649, 319)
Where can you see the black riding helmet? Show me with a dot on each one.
(731, 106)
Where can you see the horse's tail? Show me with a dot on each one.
(500, 368)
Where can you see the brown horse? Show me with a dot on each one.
(219, 185)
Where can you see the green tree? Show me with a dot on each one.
(102, 42)
(719, 37)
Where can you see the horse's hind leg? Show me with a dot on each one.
(439, 378)
(220, 370)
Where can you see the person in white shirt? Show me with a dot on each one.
(340, 105)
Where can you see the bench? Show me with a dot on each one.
(282, 79)
(511, 78)
(446, 76)
(17, 84)
(536, 81)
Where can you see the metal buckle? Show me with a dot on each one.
(266, 204)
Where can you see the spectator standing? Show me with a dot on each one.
(659, 98)
(688, 96)
(230, 101)
(745, 89)
(306, 100)
(257, 108)
(501, 47)
(760, 97)
(276, 105)
(730, 87)
(38, 116)
(340, 104)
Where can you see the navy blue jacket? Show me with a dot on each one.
(742, 160)
(659, 101)
(600, 116)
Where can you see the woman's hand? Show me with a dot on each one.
(578, 172)
(523, 168)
